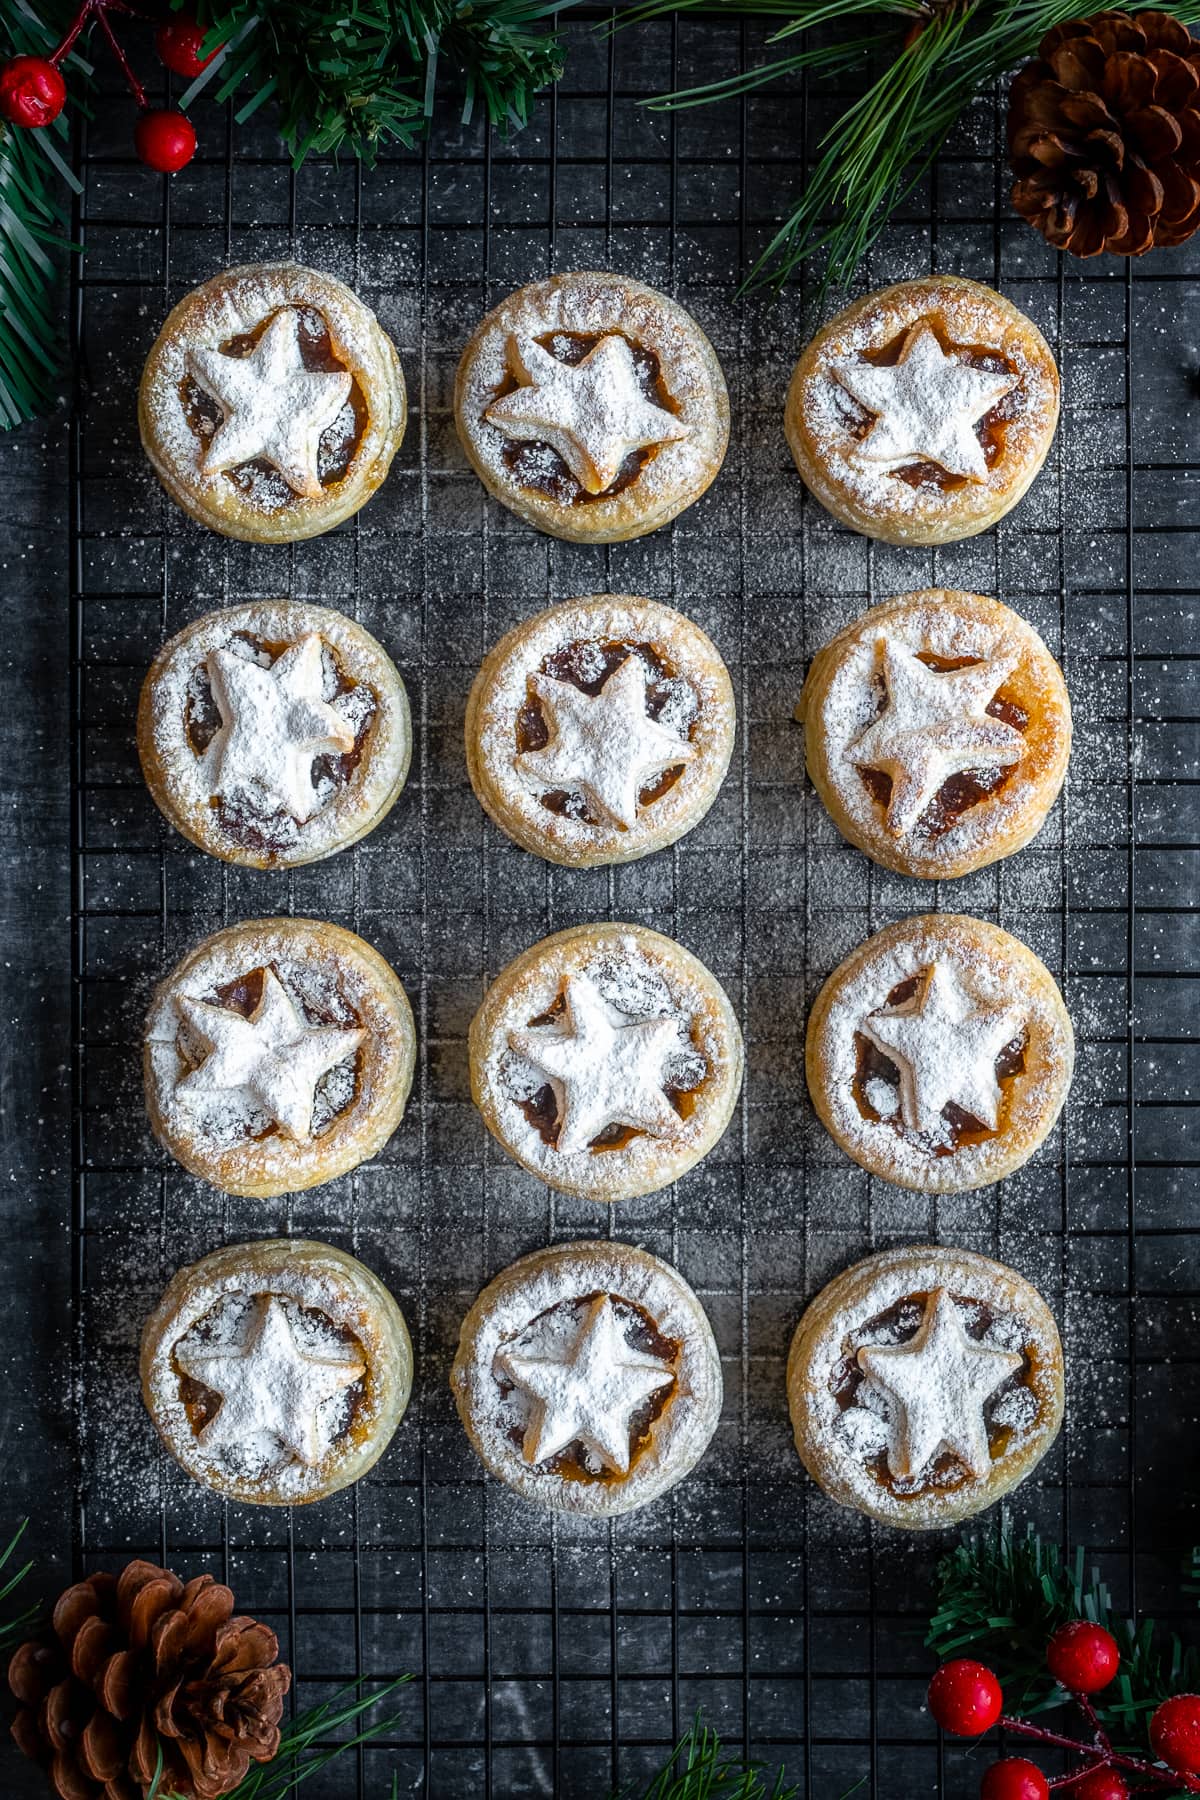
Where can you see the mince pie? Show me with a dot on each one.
(924, 1384)
(606, 1060)
(592, 406)
(937, 730)
(921, 413)
(588, 1378)
(939, 1053)
(276, 1372)
(272, 403)
(274, 733)
(600, 730)
(278, 1055)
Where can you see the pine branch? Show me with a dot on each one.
(938, 60)
(14, 1627)
(372, 79)
(700, 1768)
(1003, 1596)
(34, 213)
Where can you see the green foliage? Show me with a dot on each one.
(937, 58)
(700, 1768)
(1000, 1597)
(363, 73)
(34, 213)
(11, 1629)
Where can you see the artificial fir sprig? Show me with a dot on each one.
(368, 77)
(14, 1626)
(939, 55)
(1003, 1596)
(701, 1768)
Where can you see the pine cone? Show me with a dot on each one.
(143, 1661)
(1104, 135)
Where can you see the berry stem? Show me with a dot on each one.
(100, 9)
(1098, 1756)
(136, 88)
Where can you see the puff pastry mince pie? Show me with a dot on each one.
(606, 1060)
(924, 1384)
(278, 1054)
(937, 730)
(276, 1372)
(921, 413)
(939, 1053)
(588, 1378)
(272, 403)
(592, 406)
(274, 733)
(600, 730)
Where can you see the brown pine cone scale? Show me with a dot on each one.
(141, 1666)
(1104, 135)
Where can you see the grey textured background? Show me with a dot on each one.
(557, 1657)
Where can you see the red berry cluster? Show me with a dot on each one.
(965, 1698)
(33, 92)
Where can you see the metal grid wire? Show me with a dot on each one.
(559, 1657)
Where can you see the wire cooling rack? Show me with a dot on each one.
(558, 1657)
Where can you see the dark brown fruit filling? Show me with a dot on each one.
(873, 1066)
(270, 833)
(898, 1325)
(587, 665)
(991, 430)
(641, 1333)
(539, 466)
(259, 479)
(966, 789)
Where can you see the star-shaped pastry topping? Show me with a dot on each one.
(935, 724)
(273, 723)
(592, 412)
(926, 406)
(945, 1044)
(604, 746)
(602, 1073)
(273, 1056)
(269, 1387)
(591, 1394)
(271, 405)
(938, 1383)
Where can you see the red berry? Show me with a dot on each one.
(1083, 1657)
(1099, 1784)
(178, 43)
(165, 140)
(32, 92)
(1175, 1733)
(965, 1698)
(1014, 1779)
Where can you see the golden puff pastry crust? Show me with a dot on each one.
(606, 1060)
(921, 413)
(937, 730)
(600, 730)
(276, 1372)
(587, 1378)
(278, 1054)
(939, 1053)
(592, 406)
(924, 1383)
(272, 403)
(274, 733)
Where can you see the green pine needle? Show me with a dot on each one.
(938, 58)
(700, 1768)
(34, 212)
(11, 1629)
(360, 76)
(1001, 1597)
